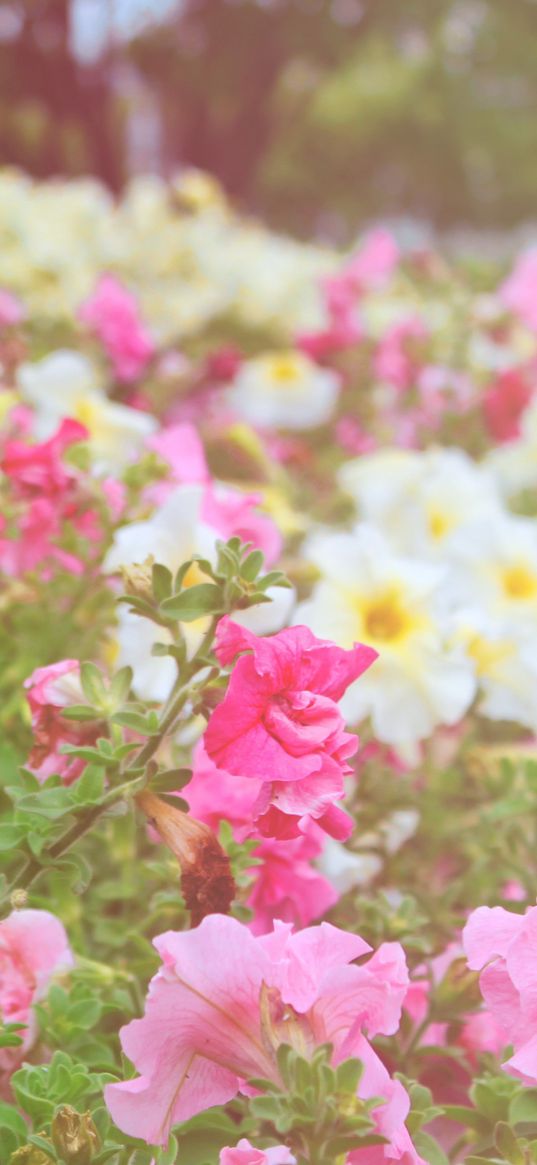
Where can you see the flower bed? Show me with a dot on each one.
(268, 546)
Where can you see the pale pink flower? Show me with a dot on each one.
(224, 1000)
(368, 269)
(519, 291)
(480, 1031)
(503, 946)
(181, 447)
(236, 514)
(12, 311)
(33, 947)
(286, 885)
(396, 359)
(245, 1154)
(280, 724)
(49, 690)
(112, 313)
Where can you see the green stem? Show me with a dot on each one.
(178, 698)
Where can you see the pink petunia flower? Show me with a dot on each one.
(286, 884)
(49, 690)
(112, 313)
(518, 293)
(224, 1000)
(504, 404)
(12, 311)
(33, 946)
(280, 724)
(245, 1154)
(37, 469)
(503, 946)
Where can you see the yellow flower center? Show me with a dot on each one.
(110, 652)
(439, 524)
(519, 583)
(386, 619)
(486, 654)
(194, 576)
(285, 370)
(88, 413)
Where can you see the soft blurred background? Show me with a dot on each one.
(318, 115)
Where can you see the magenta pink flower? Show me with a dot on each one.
(39, 529)
(224, 1000)
(286, 884)
(112, 314)
(33, 946)
(49, 690)
(245, 1154)
(504, 404)
(280, 724)
(38, 469)
(503, 946)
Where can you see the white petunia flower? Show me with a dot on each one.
(396, 604)
(284, 390)
(427, 503)
(65, 384)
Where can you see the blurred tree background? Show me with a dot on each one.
(317, 114)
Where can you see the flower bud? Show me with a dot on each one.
(74, 1136)
(19, 899)
(206, 880)
(29, 1155)
(138, 579)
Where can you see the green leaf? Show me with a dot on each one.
(162, 582)
(11, 836)
(170, 780)
(145, 723)
(79, 712)
(191, 604)
(89, 788)
(429, 1148)
(44, 1145)
(12, 1120)
(507, 1144)
(467, 1116)
(92, 684)
(523, 1107)
(120, 686)
(252, 565)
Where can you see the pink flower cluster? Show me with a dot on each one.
(45, 502)
(49, 690)
(33, 946)
(228, 511)
(222, 1002)
(287, 886)
(503, 946)
(111, 312)
(280, 725)
(371, 267)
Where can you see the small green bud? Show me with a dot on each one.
(74, 1136)
(19, 899)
